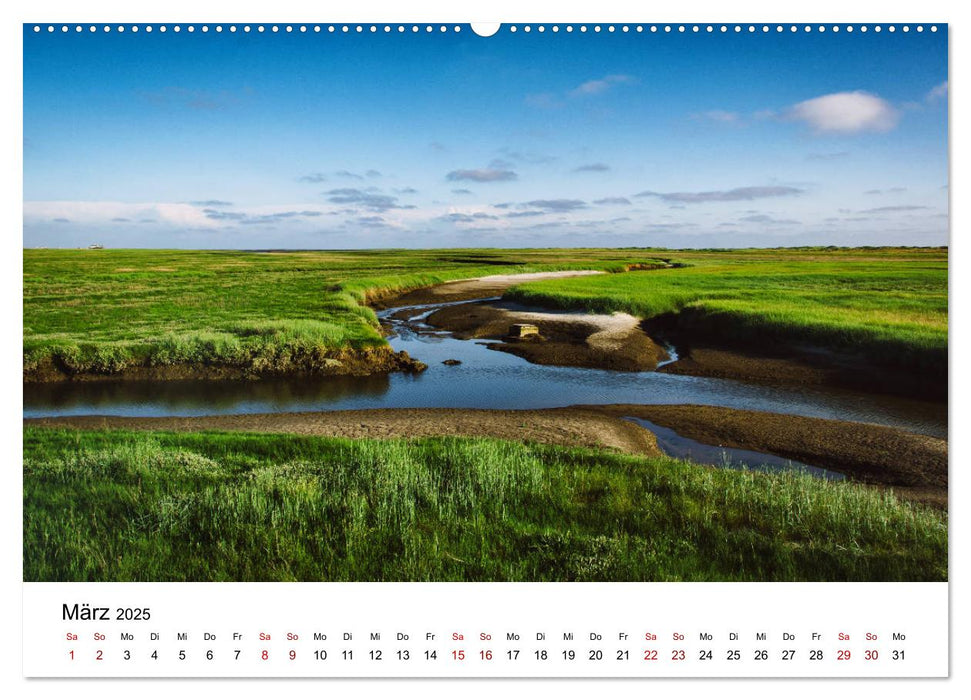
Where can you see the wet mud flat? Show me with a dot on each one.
(915, 466)
(804, 366)
(708, 347)
(570, 427)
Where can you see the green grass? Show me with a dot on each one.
(890, 304)
(106, 311)
(135, 506)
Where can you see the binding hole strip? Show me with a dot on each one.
(487, 30)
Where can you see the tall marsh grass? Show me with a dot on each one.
(108, 311)
(120, 506)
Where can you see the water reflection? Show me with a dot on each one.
(675, 445)
(196, 397)
(484, 379)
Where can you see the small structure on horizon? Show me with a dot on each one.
(523, 330)
(95, 246)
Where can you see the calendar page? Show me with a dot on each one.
(390, 349)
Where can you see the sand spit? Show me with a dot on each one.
(603, 341)
(563, 426)
(475, 288)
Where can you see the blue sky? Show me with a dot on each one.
(319, 140)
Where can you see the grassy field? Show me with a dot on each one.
(123, 506)
(105, 311)
(890, 304)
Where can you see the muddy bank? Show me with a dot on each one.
(341, 362)
(615, 342)
(572, 427)
(602, 341)
(913, 465)
(464, 290)
(712, 347)
(805, 367)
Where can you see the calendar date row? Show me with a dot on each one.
(486, 655)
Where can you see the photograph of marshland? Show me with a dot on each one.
(324, 308)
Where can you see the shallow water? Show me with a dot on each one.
(484, 379)
(675, 445)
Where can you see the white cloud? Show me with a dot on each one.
(97, 213)
(175, 215)
(845, 113)
(938, 92)
(595, 87)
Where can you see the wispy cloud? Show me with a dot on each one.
(530, 157)
(599, 86)
(211, 203)
(468, 218)
(182, 215)
(837, 155)
(482, 175)
(889, 190)
(369, 222)
(367, 199)
(717, 115)
(350, 175)
(938, 92)
(738, 194)
(590, 88)
(196, 99)
(256, 219)
(612, 200)
(461, 190)
(887, 210)
(557, 205)
(766, 219)
(592, 168)
(845, 113)
(525, 213)
(315, 178)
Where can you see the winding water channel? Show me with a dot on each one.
(484, 379)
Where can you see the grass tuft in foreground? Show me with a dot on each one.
(135, 506)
